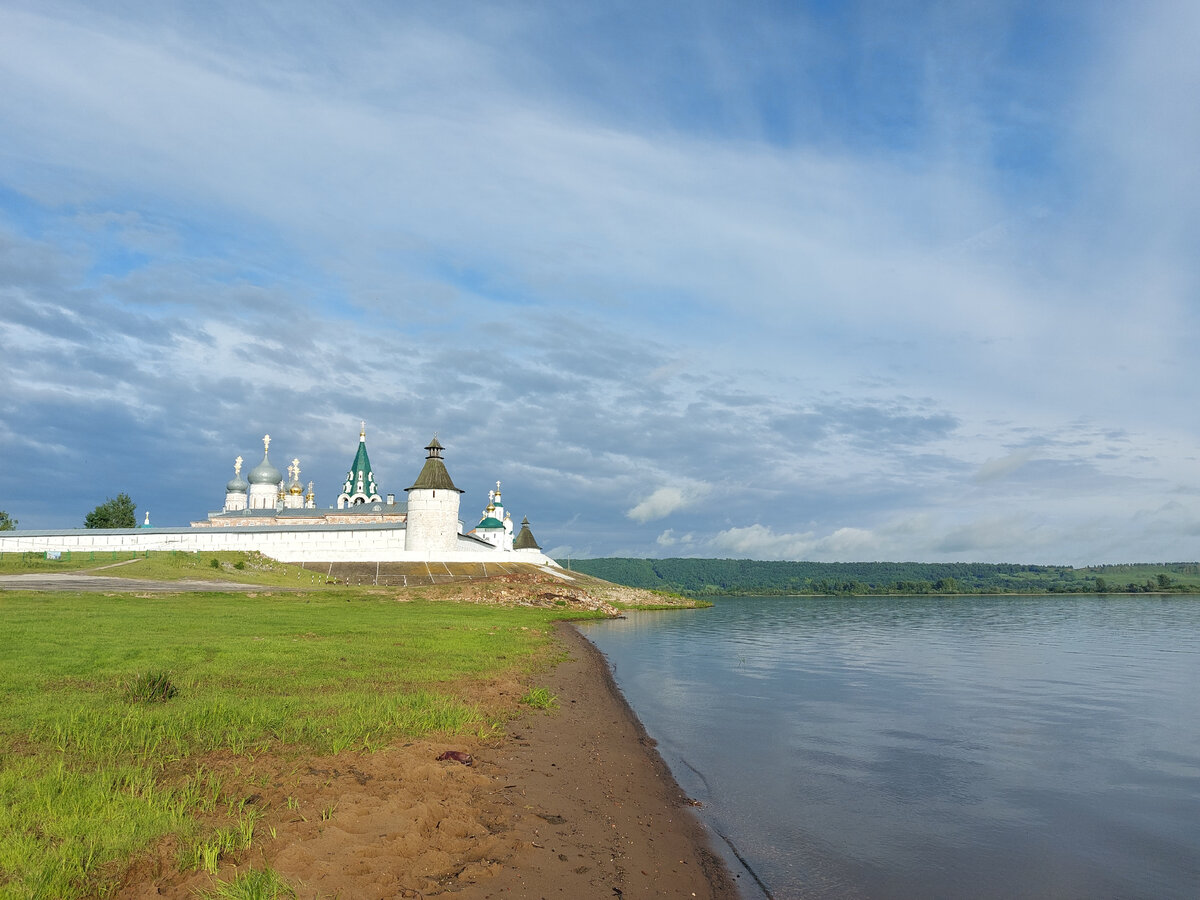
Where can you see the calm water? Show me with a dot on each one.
(902, 748)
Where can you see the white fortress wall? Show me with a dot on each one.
(302, 543)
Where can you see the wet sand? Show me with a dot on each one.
(573, 803)
(595, 809)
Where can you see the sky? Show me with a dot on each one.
(808, 280)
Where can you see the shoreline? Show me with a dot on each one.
(573, 802)
(597, 812)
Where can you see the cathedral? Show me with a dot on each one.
(277, 515)
(266, 498)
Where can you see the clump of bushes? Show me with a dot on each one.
(151, 687)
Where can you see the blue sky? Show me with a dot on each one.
(833, 281)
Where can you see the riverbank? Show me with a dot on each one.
(570, 802)
(595, 812)
(300, 742)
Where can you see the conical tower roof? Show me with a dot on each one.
(433, 474)
(524, 539)
(360, 471)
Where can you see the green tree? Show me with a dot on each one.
(6, 523)
(115, 512)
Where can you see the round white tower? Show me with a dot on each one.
(432, 523)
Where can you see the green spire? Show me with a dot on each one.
(360, 484)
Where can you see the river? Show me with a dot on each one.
(989, 747)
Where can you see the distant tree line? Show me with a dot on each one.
(709, 577)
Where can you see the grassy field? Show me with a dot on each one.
(247, 568)
(93, 768)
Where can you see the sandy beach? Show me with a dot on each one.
(574, 802)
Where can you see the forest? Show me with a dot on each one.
(709, 577)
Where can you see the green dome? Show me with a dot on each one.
(490, 522)
(236, 485)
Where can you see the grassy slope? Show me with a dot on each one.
(89, 776)
(168, 566)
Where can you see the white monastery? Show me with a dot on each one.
(278, 517)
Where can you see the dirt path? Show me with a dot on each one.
(82, 581)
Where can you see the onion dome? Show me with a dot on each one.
(264, 472)
(295, 488)
(237, 484)
(490, 522)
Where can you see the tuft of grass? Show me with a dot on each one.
(215, 563)
(151, 687)
(253, 884)
(540, 698)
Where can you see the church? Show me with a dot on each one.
(277, 516)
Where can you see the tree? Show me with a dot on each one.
(7, 524)
(112, 513)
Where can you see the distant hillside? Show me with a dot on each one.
(701, 577)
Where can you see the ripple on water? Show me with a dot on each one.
(991, 747)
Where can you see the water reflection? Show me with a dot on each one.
(990, 747)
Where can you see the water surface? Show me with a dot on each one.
(931, 747)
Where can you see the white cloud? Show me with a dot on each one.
(666, 500)
(669, 539)
(791, 327)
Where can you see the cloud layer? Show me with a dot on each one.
(852, 285)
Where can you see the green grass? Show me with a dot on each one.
(169, 565)
(90, 776)
(254, 884)
(539, 698)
